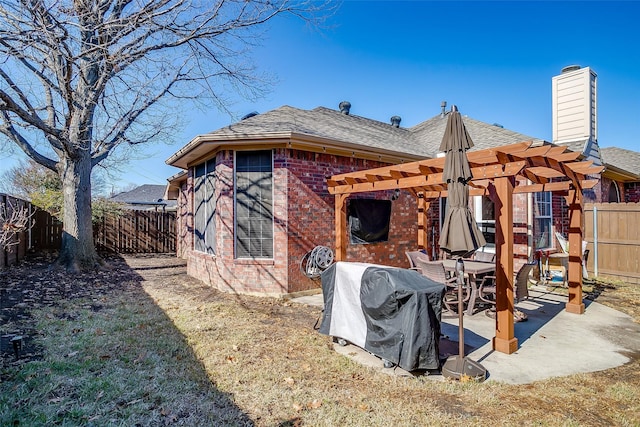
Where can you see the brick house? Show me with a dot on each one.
(253, 199)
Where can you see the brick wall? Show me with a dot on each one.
(632, 192)
(311, 220)
(303, 219)
(520, 229)
(184, 218)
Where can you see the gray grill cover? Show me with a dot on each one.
(393, 313)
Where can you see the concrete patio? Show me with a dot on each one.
(552, 342)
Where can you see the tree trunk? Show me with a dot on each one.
(78, 250)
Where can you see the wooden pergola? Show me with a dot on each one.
(495, 174)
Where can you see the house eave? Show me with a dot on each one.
(617, 174)
(174, 183)
(204, 146)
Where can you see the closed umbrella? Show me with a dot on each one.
(460, 234)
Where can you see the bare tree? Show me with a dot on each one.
(81, 78)
(14, 219)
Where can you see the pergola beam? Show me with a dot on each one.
(549, 168)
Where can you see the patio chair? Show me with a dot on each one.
(485, 257)
(412, 255)
(564, 245)
(585, 258)
(487, 290)
(435, 271)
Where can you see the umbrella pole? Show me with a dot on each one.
(459, 366)
(460, 281)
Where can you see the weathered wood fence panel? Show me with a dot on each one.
(19, 243)
(137, 232)
(132, 232)
(612, 231)
(46, 233)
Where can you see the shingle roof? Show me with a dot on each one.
(422, 140)
(144, 194)
(484, 135)
(624, 159)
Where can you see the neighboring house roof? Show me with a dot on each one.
(325, 126)
(147, 194)
(620, 159)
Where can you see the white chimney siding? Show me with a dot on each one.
(575, 105)
(575, 111)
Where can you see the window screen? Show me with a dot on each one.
(204, 230)
(254, 204)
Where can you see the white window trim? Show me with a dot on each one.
(477, 213)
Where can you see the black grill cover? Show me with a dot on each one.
(393, 313)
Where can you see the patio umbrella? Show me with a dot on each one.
(460, 234)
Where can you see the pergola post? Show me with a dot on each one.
(505, 340)
(576, 221)
(341, 227)
(423, 235)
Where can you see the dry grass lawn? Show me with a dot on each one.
(167, 350)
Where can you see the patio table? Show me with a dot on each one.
(473, 269)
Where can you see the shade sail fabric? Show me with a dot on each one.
(391, 312)
(460, 233)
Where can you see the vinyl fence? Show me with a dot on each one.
(612, 231)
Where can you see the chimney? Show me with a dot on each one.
(345, 106)
(395, 121)
(575, 105)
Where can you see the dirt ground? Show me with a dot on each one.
(33, 283)
(265, 355)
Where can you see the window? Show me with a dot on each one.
(369, 220)
(542, 220)
(484, 210)
(254, 204)
(204, 226)
(614, 193)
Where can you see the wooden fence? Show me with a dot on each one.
(137, 232)
(612, 231)
(46, 233)
(20, 241)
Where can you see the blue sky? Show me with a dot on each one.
(494, 60)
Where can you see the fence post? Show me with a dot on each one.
(595, 240)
